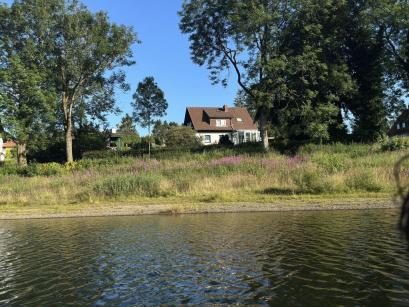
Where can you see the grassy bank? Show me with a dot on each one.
(331, 172)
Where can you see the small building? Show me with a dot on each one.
(401, 126)
(121, 139)
(211, 124)
(5, 147)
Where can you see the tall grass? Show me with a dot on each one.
(208, 175)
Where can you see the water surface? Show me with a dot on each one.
(298, 258)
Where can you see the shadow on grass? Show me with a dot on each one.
(279, 191)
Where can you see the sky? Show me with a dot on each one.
(164, 54)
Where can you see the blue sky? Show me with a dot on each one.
(164, 54)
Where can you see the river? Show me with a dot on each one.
(287, 258)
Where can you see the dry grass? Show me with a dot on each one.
(326, 172)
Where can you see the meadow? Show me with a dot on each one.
(216, 175)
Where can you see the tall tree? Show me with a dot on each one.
(127, 124)
(279, 52)
(149, 104)
(86, 47)
(244, 36)
(27, 98)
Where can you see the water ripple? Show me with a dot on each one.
(299, 258)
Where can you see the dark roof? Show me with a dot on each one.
(197, 116)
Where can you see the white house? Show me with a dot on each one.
(211, 124)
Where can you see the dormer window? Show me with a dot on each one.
(221, 123)
(239, 119)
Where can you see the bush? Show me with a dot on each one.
(141, 185)
(181, 137)
(314, 182)
(100, 154)
(363, 180)
(395, 143)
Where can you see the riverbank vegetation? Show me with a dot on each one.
(243, 174)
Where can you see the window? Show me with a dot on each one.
(403, 125)
(221, 123)
(247, 136)
(253, 137)
(207, 139)
(398, 126)
(239, 119)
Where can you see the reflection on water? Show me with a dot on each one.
(299, 258)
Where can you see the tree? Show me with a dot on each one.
(129, 135)
(87, 46)
(160, 131)
(26, 95)
(127, 124)
(181, 137)
(238, 34)
(278, 51)
(85, 52)
(149, 103)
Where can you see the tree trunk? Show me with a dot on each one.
(68, 141)
(263, 131)
(149, 142)
(22, 153)
(67, 103)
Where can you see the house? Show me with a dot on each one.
(211, 124)
(121, 139)
(6, 147)
(401, 125)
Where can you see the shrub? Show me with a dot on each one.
(363, 180)
(141, 185)
(395, 143)
(225, 140)
(100, 154)
(332, 163)
(181, 137)
(314, 182)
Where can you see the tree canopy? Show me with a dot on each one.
(149, 104)
(307, 68)
(84, 52)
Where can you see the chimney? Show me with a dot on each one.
(225, 108)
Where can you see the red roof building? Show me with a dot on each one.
(211, 124)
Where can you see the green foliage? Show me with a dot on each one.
(313, 182)
(364, 180)
(395, 143)
(127, 124)
(306, 66)
(139, 185)
(182, 137)
(149, 102)
(78, 49)
(34, 169)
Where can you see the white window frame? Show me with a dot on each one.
(221, 123)
(205, 141)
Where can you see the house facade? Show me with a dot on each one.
(401, 126)
(5, 147)
(211, 124)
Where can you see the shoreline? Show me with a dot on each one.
(134, 209)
